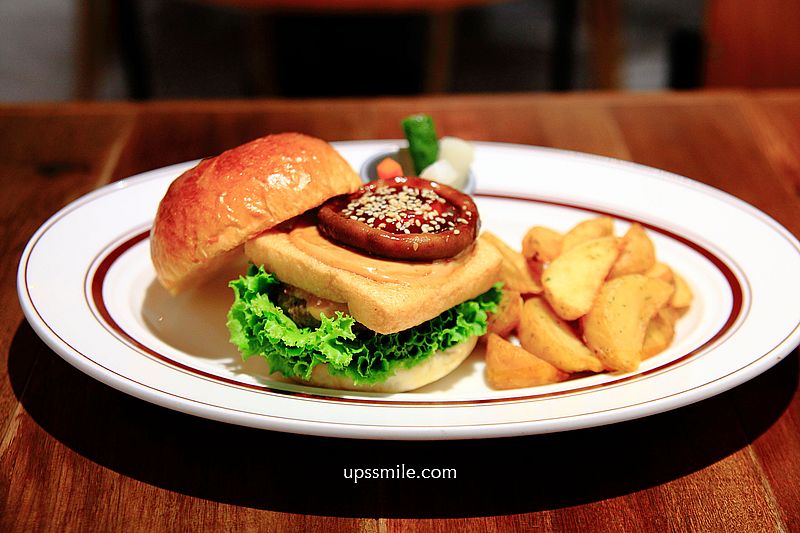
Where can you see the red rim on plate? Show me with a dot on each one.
(95, 281)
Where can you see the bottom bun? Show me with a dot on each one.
(432, 368)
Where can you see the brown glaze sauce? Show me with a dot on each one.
(403, 218)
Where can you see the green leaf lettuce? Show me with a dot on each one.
(259, 327)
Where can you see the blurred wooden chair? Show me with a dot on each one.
(440, 14)
(604, 34)
(603, 20)
(104, 24)
(100, 20)
(752, 44)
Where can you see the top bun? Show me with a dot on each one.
(210, 210)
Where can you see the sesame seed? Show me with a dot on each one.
(403, 209)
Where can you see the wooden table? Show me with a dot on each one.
(78, 455)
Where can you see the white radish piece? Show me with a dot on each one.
(458, 153)
(443, 172)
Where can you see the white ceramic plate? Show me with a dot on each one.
(87, 287)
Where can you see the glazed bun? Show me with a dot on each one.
(212, 209)
(436, 366)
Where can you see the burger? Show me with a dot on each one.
(380, 287)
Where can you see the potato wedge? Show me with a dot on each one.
(514, 272)
(615, 327)
(594, 228)
(660, 331)
(536, 268)
(572, 280)
(638, 253)
(544, 334)
(682, 298)
(660, 271)
(541, 244)
(506, 318)
(509, 366)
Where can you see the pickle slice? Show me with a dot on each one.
(422, 141)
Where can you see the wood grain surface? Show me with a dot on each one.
(76, 455)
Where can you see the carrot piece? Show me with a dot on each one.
(389, 168)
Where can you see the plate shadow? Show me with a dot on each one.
(303, 474)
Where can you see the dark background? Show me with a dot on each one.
(191, 49)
